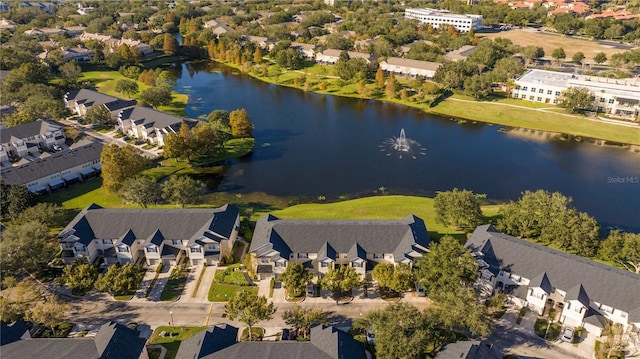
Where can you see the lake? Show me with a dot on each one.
(312, 145)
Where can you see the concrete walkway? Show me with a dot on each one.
(163, 277)
(198, 295)
(147, 280)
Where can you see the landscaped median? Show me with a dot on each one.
(170, 337)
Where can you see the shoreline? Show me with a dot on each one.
(496, 113)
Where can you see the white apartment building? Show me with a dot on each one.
(437, 18)
(616, 97)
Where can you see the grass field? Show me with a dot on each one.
(172, 343)
(550, 42)
(106, 81)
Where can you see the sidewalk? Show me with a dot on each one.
(200, 296)
(163, 277)
(149, 275)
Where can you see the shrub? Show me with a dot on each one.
(232, 275)
(159, 267)
(272, 285)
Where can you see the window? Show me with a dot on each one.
(378, 256)
(524, 96)
(264, 260)
(123, 249)
(549, 92)
(602, 99)
(606, 309)
(356, 265)
(517, 87)
(176, 242)
(195, 250)
(557, 93)
(555, 100)
(610, 100)
(541, 91)
(303, 255)
(533, 89)
(324, 264)
(524, 88)
(106, 241)
(280, 264)
(539, 99)
(152, 249)
(531, 98)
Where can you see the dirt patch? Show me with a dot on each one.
(550, 42)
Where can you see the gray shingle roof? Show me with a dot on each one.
(220, 343)
(113, 341)
(417, 64)
(89, 97)
(473, 349)
(57, 162)
(95, 222)
(602, 283)
(150, 117)
(308, 236)
(578, 293)
(39, 127)
(207, 342)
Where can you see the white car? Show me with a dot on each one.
(567, 334)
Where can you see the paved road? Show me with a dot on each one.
(515, 341)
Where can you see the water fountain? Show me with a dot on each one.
(402, 145)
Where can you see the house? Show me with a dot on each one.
(583, 292)
(406, 48)
(79, 54)
(221, 342)
(19, 141)
(262, 42)
(408, 67)
(153, 235)
(49, 7)
(331, 56)
(616, 97)
(79, 101)
(6, 24)
(307, 50)
(112, 341)
(219, 27)
(472, 349)
(322, 244)
(437, 18)
(112, 44)
(149, 125)
(60, 169)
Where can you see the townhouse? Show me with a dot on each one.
(323, 244)
(52, 171)
(116, 235)
(149, 125)
(307, 50)
(331, 56)
(582, 292)
(221, 342)
(615, 97)
(112, 44)
(19, 141)
(437, 18)
(79, 101)
(79, 54)
(408, 67)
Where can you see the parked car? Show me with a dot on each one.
(420, 292)
(567, 334)
(286, 334)
(311, 290)
(371, 337)
(57, 147)
(125, 138)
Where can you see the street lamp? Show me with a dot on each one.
(171, 314)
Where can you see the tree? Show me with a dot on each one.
(401, 331)
(15, 303)
(527, 217)
(209, 139)
(340, 280)
(70, 72)
(119, 279)
(445, 268)
(182, 190)
(80, 276)
(119, 164)
(576, 99)
(478, 86)
(156, 96)
(379, 79)
(26, 246)
(49, 312)
(240, 123)
(49, 214)
(295, 278)
(622, 248)
(257, 55)
(249, 308)
(180, 144)
(532, 52)
(461, 308)
(558, 54)
(600, 58)
(304, 319)
(127, 87)
(99, 116)
(142, 190)
(578, 57)
(391, 87)
(394, 278)
(14, 199)
(459, 208)
(170, 45)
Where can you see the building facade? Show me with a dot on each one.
(615, 97)
(323, 244)
(438, 18)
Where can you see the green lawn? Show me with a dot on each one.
(172, 343)
(378, 207)
(106, 81)
(219, 292)
(82, 194)
(175, 285)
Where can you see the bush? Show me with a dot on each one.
(232, 275)
(272, 285)
(159, 267)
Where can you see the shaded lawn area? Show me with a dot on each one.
(540, 328)
(82, 194)
(219, 292)
(175, 285)
(172, 342)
